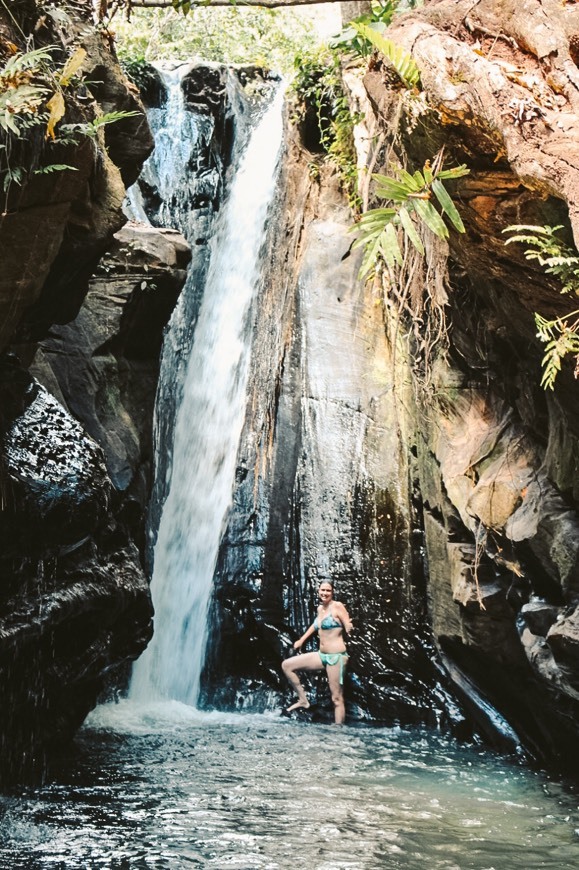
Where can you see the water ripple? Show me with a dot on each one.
(169, 787)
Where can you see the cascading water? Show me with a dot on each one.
(172, 170)
(207, 430)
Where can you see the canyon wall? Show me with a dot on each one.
(495, 453)
(78, 379)
(398, 439)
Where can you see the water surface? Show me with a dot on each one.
(169, 787)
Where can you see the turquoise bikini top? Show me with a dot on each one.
(327, 622)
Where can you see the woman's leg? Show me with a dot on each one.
(337, 692)
(304, 662)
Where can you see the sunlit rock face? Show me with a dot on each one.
(359, 446)
(495, 455)
(323, 490)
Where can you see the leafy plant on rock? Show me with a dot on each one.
(350, 39)
(399, 254)
(319, 95)
(401, 60)
(560, 335)
(33, 104)
(23, 91)
(408, 202)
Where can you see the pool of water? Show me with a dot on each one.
(170, 787)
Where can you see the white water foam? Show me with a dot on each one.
(208, 429)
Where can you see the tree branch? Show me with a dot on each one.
(267, 4)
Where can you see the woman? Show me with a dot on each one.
(331, 622)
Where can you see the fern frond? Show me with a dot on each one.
(401, 60)
(28, 60)
(560, 340)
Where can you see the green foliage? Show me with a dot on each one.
(137, 69)
(560, 335)
(561, 338)
(318, 92)
(12, 175)
(32, 90)
(351, 40)
(408, 202)
(265, 37)
(401, 60)
(54, 167)
(549, 251)
(33, 99)
(23, 90)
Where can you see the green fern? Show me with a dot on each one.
(19, 102)
(401, 60)
(109, 118)
(377, 18)
(37, 59)
(54, 167)
(69, 133)
(549, 251)
(408, 203)
(560, 335)
(560, 339)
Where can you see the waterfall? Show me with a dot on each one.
(207, 429)
(172, 170)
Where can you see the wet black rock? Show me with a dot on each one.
(74, 601)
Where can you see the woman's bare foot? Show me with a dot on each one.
(303, 705)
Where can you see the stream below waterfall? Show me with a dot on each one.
(167, 786)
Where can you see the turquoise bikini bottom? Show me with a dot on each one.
(340, 658)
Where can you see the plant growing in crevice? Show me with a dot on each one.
(401, 60)
(323, 111)
(350, 39)
(23, 91)
(401, 257)
(33, 105)
(408, 202)
(32, 102)
(560, 335)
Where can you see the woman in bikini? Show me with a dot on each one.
(330, 623)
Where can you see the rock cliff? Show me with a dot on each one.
(319, 492)
(404, 446)
(495, 454)
(75, 605)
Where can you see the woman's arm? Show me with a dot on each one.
(343, 616)
(304, 637)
